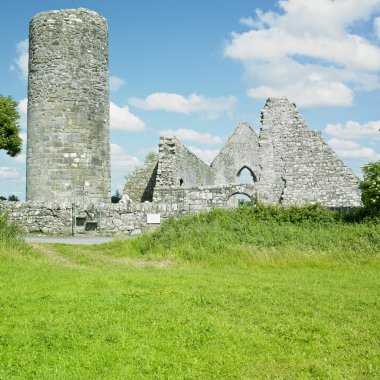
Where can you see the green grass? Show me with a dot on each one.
(224, 295)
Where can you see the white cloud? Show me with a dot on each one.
(376, 25)
(191, 135)
(206, 155)
(122, 119)
(355, 130)
(250, 22)
(23, 106)
(121, 159)
(312, 91)
(23, 110)
(212, 108)
(116, 82)
(8, 173)
(307, 51)
(21, 60)
(351, 149)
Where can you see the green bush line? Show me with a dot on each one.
(246, 235)
(249, 234)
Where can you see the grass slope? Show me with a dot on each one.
(224, 295)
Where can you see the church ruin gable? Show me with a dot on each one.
(301, 167)
(241, 150)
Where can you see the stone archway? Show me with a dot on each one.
(238, 198)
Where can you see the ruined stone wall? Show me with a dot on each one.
(298, 166)
(122, 218)
(240, 151)
(51, 218)
(140, 187)
(179, 167)
(204, 198)
(128, 219)
(113, 219)
(68, 106)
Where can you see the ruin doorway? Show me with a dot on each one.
(245, 175)
(237, 199)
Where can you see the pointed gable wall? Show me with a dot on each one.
(298, 166)
(241, 150)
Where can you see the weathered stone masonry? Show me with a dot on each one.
(297, 165)
(288, 163)
(68, 106)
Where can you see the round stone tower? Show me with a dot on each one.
(68, 148)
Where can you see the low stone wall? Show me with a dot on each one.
(129, 219)
(133, 218)
(39, 217)
(123, 218)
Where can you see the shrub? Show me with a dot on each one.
(11, 238)
(370, 187)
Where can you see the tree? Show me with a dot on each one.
(13, 198)
(150, 157)
(2, 198)
(116, 198)
(370, 186)
(9, 127)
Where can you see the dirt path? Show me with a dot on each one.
(43, 247)
(51, 254)
(85, 240)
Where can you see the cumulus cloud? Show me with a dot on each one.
(352, 149)
(211, 108)
(20, 63)
(116, 82)
(8, 173)
(191, 135)
(311, 91)
(308, 51)
(206, 155)
(122, 119)
(121, 159)
(355, 130)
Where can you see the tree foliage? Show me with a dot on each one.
(10, 140)
(150, 156)
(116, 197)
(370, 186)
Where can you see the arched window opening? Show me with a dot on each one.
(181, 182)
(245, 175)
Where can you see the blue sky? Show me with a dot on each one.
(197, 68)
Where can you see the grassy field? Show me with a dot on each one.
(225, 295)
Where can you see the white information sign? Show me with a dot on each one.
(153, 218)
